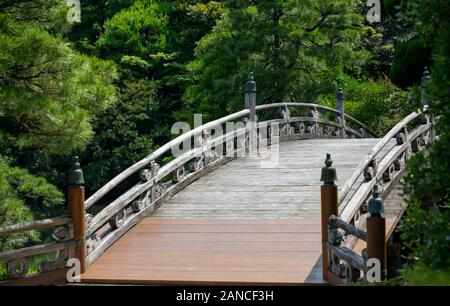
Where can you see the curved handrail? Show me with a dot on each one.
(156, 154)
(386, 174)
(175, 142)
(296, 104)
(152, 191)
(372, 155)
(314, 106)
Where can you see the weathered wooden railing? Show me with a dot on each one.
(157, 184)
(17, 261)
(68, 237)
(377, 174)
(208, 148)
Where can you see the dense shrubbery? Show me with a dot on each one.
(379, 104)
(426, 227)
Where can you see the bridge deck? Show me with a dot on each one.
(285, 190)
(240, 224)
(204, 251)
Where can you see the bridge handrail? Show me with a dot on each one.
(342, 265)
(315, 106)
(34, 225)
(151, 192)
(374, 153)
(17, 261)
(387, 171)
(198, 130)
(159, 152)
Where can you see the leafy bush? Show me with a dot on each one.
(378, 104)
(409, 59)
(124, 135)
(426, 228)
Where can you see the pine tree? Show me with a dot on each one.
(297, 50)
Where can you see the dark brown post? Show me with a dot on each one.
(329, 206)
(77, 211)
(376, 231)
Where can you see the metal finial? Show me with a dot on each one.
(328, 161)
(77, 163)
(340, 94)
(76, 177)
(376, 205)
(250, 86)
(425, 79)
(426, 74)
(328, 172)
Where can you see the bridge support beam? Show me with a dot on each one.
(376, 232)
(76, 199)
(329, 207)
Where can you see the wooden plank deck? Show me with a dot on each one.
(205, 251)
(242, 189)
(241, 224)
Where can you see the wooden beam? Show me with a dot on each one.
(349, 228)
(35, 225)
(57, 277)
(35, 250)
(349, 256)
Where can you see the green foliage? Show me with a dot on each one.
(48, 93)
(427, 233)
(22, 198)
(379, 104)
(421, 275)
(149, 41)
(174, 58)
(140, 31)
(85, 34)
(297, 50)
(426, 229)
(123, 136)
(409, 58)
(49, 96)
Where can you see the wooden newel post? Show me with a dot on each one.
(329, 206)
(340, 106)
(250, 103)
(77, 211)
(376, 231)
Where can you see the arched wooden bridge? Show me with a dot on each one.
(245, 206)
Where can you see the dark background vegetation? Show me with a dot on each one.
(109, 88)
